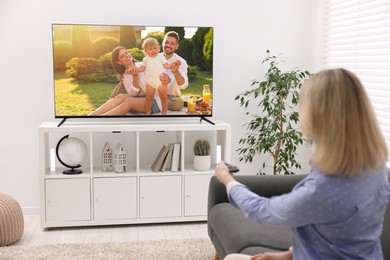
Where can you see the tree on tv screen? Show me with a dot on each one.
(127, 37)
(81, 41)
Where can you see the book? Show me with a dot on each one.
(157, 164)
(168, 160)
(175, 165)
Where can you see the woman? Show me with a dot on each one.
(129, 95)
(337, 211)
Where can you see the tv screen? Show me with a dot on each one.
(132, 71)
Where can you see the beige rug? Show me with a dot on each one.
(197, 249)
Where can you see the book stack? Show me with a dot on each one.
(168, 159)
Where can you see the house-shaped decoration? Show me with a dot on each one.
(120, 159)
(107, 158)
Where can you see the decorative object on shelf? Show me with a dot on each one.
(175, 164)
(11, 220)
(159, 161)
(168, 160)
(202, 160)
(107, 158)
(120, 159)
(274, 130)
(71, 151)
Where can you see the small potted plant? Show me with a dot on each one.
(202, 161)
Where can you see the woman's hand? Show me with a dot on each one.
(223, 174)
(132, 70)
(135, 71)
(129, 69)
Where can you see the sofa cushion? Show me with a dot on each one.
(236, 233)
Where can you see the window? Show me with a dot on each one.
(357, 37)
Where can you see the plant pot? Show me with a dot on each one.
(202, 163)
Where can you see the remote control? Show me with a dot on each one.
(231, 168)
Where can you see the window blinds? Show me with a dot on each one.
(357, 37)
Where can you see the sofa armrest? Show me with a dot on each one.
(217, 193)
(263, 185)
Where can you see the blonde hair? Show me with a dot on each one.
(149, 41)
(336, 114)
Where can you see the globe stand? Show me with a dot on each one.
(72, 169)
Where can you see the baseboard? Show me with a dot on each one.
(31, 210)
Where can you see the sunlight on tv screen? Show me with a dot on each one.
(132, 71)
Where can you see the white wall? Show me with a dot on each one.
(243, 31)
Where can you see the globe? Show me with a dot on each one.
(71, 152)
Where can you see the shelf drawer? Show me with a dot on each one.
(115, 198)
(160, 196)
(68, 200)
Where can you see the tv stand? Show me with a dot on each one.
(138, 196)
(207, 120)
(62, 121)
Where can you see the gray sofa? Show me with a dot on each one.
(231, 232)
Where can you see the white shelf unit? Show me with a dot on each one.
(138, 196)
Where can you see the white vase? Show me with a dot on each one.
(202, 163)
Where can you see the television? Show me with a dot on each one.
(101, 71)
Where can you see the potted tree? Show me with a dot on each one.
(274, 130)
(202, 160)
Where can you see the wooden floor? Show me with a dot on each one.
(34, 235)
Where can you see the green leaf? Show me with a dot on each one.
(276, 96)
